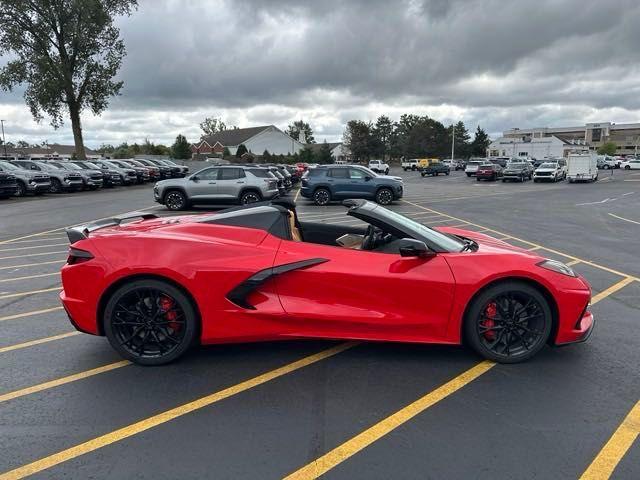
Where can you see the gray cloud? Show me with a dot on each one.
(496, 63)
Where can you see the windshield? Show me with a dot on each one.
(449, 243)
(515, 165)
(548, 165)
(369, 171)
(46, 166)
(8, 166)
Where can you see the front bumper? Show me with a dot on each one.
(34, 187)
(8, 189)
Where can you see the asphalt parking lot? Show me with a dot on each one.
(71, 408)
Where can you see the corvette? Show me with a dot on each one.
(156, 286)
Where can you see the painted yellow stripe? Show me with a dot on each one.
(32, 292)
(61, 381)
(55, 230)
(608, 458)
(29, 314)
(323, 464)
(295, 199)
(533, 249)
(34, 254)
(28, 277)
(611, 290)
(625, 219)
(155, 420)
(573, 262)
(24, 265)
(36, 240)
(39, 341)
(33, 247)
(586, 262)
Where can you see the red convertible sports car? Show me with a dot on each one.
(156, 286)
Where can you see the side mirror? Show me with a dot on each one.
(34, 167)
(366, 179)
(194, 179)
(414, 248)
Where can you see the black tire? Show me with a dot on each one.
(627, 167)
(477, 179)
(21, 189)
(321, 197)
(250, 197)
(422, 174)
(384, 196)
(446, 173)
(386, 172)
(132, 331)
(56, 186)
(509, 339)
(468, 175)
(504, 180)
(175, 200)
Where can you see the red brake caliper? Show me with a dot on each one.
(166, 304)
(490, 314)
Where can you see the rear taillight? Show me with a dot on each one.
(78, 256)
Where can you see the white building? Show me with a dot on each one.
(536, 147)
(256, 139)
(338, 150)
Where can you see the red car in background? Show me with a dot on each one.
(156, 286)
(489, 171)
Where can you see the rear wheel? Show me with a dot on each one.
(21, 189)
(56, 186)
(175, 200)
(509, 322)
(321, 196)
(250, 197)
(384, 196)
(627, 167)
(150, 322)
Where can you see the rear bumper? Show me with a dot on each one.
(78, 312)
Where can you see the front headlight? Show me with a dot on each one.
(557, 267)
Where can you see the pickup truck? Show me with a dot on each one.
(410, 164)
(434, 169)
(379, 166)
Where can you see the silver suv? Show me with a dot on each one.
(221, 184)
(27, 181)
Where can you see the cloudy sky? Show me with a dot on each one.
(495, 63)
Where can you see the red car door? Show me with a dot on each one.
(361, 294)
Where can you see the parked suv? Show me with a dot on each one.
(222, 184)
(379, 166)
(549, 171)
(409, 164)
(472, 167)
(110, 178)
(435, 168)
(61, 180)
(93, 179)
(7, 184)
(326, 183)
(27, 181)
(517, 171)
(128, 176)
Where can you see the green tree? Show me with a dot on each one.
(324, 154)
(66, 53)
(266, 156)
(462, 145)
(181, 149)
(608, 148)
(480, 143)
(382, 136)
(225, 152)
(241, 150)
(294, 129)
(211, 125)
(357, 138)
(306, 155)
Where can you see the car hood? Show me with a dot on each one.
(390, 177)
(486, 243)
(173, 182)
(546, 169)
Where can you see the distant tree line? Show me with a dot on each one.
(413, 136)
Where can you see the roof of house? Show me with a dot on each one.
(234, 137)
(315, 147)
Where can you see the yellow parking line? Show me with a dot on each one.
(532, 249)
(32, 292)
(29, 314)
(163, 417)
(457, 225)
(504, 237)
(35, 240)
(33, 255)
(608, 458)
(625, 219)
(295, 199)
(33, 246)
(586, 262)
(611, 290)
(24, 265)
(28, 277)
(326, 462)
(38, 341)
(31, 235)
(61, 381)
(573, 262)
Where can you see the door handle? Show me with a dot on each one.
(239, 182)
(212, 183)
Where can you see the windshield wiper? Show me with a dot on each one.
(469, 245)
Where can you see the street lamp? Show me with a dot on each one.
(4, 143)
(453, 140)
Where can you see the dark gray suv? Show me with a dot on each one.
(216, 185)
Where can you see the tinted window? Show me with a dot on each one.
(356, 174)
(261, 173)
(231, 173)
(339, 173)
(315, 172)
(211, 174)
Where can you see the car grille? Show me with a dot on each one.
(96, 177)
(543, 174)
(41, 179)
(7, 180)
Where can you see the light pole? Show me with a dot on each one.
(4, 143)
(453, 140)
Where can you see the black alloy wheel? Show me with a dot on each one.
(150, 322)
(175, 200)
(508, 323)
(21, 189)
(321, 196)
(56, 186)
(249, 197)
(384, 196)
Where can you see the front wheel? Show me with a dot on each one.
(150, 322)
(249, 197)
(175, 200)
(627, 167)
(386, 172)
(384, 196)
(322, 197)
(21, 189)
(56, 186)
(508, 323)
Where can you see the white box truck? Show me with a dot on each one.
(582, 167)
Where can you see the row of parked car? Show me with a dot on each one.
(222, 184)
(19, 177)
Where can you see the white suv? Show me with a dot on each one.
(410, 164)
(472, 167)
(379, 166)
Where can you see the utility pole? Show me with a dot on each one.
(4, 143)
(453, 140)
